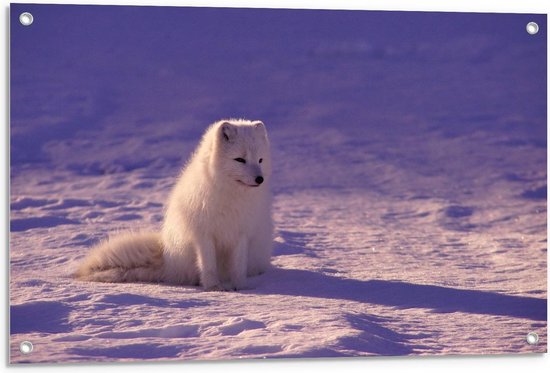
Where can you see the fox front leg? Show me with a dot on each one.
(237, 266)
(208, 268)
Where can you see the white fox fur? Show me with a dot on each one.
(218, 226)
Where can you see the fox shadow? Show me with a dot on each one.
(399, 294)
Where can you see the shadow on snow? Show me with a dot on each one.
(401, 294)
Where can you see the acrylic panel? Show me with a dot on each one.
(400, 197)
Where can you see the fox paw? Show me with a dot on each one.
(236, 287)
(226, 287)
(216, 287)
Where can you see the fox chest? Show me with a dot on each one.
(227, 227)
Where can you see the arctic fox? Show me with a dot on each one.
(218, 226)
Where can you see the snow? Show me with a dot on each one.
(409, 179)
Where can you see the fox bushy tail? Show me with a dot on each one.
(127, 257)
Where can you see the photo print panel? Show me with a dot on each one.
(219, 184)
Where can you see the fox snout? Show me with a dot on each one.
(251, 181)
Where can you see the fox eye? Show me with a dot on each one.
(240, 160)
(261, 159)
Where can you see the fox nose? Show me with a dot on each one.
(259, 180)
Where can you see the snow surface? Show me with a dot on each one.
(409, 179)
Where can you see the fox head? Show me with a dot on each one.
(242, 152)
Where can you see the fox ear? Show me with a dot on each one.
(228, 132)
(259, 124)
